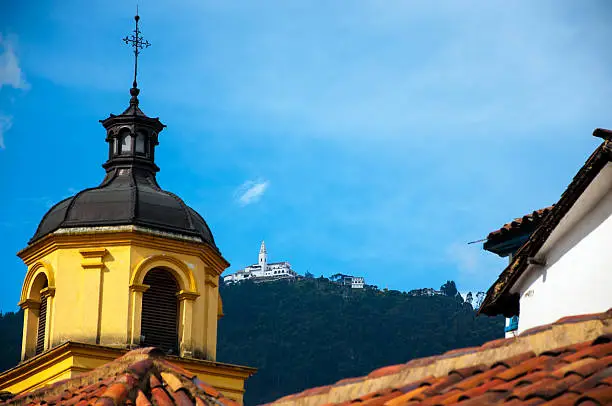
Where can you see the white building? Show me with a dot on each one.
(563, 269)
(358, 282)
(355, 282)
(262, 271)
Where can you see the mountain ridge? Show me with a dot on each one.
(313, 332)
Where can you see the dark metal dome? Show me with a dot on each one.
(129, 194)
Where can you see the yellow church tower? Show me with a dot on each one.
(121, 265)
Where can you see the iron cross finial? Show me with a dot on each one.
(137, 42)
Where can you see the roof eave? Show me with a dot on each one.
(495, 301)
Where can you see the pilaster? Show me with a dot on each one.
(135, 315)
(91, 298)
(186, 303)
(31, 309)
(211, 297)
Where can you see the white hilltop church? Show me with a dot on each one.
(262, 271)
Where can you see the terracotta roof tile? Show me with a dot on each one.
(515, 360)
(606, 381)
(160, 397)
(460, 351)
(500, 342)
(381, 399)
(567, 399)
(581, 317)
(601, 394)
(584, 367)
(592, 381)
(566, 362)
(591, 351)
(468, 371)
(349, 380)
(485, 399)
(479, 390)
(181, 398)
(509, 386)
(530, 219)
(414, 385)
(530, 402)
(116, 392)
(99, 402)
(415, 394)
(141, 377)
(537, 329)
(392, 369)
(479, 379)
(141, 399)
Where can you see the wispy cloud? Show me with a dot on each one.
(476, 267)
(5, 124)
(466, 257)
(10, 72)
(251, 191)
(11, 76)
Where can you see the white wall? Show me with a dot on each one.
(577, 278)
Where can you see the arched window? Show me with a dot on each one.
(42, 320)
(126, 143)
(159, 320)
(140, 144)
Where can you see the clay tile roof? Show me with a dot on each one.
(566, 363)
(520, 223)
(140, 377)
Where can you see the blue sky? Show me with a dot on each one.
(365, 137)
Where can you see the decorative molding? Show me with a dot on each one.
(211, 280)
(93, 258)
(129, 228)
(184, 275)
(29, 304)
(123, 236)
(139, 288)
(37, 268)
(186, 295)
(96, 252)
(47, 292)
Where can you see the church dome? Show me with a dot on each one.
(129, 194)
(126, 197)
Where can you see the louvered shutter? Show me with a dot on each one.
(159, 324)
(42, 319)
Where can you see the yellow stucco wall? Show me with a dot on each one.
(97, 288)
(94, 298)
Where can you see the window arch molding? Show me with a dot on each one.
(184, 276)
(33, 272)
(186, 295)
(38, 286)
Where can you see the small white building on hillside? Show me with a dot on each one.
(355, 282)
(262, 271)
(563, 269)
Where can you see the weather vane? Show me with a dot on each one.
(137, 42)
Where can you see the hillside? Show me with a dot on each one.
(11, 326)
(312, 332)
